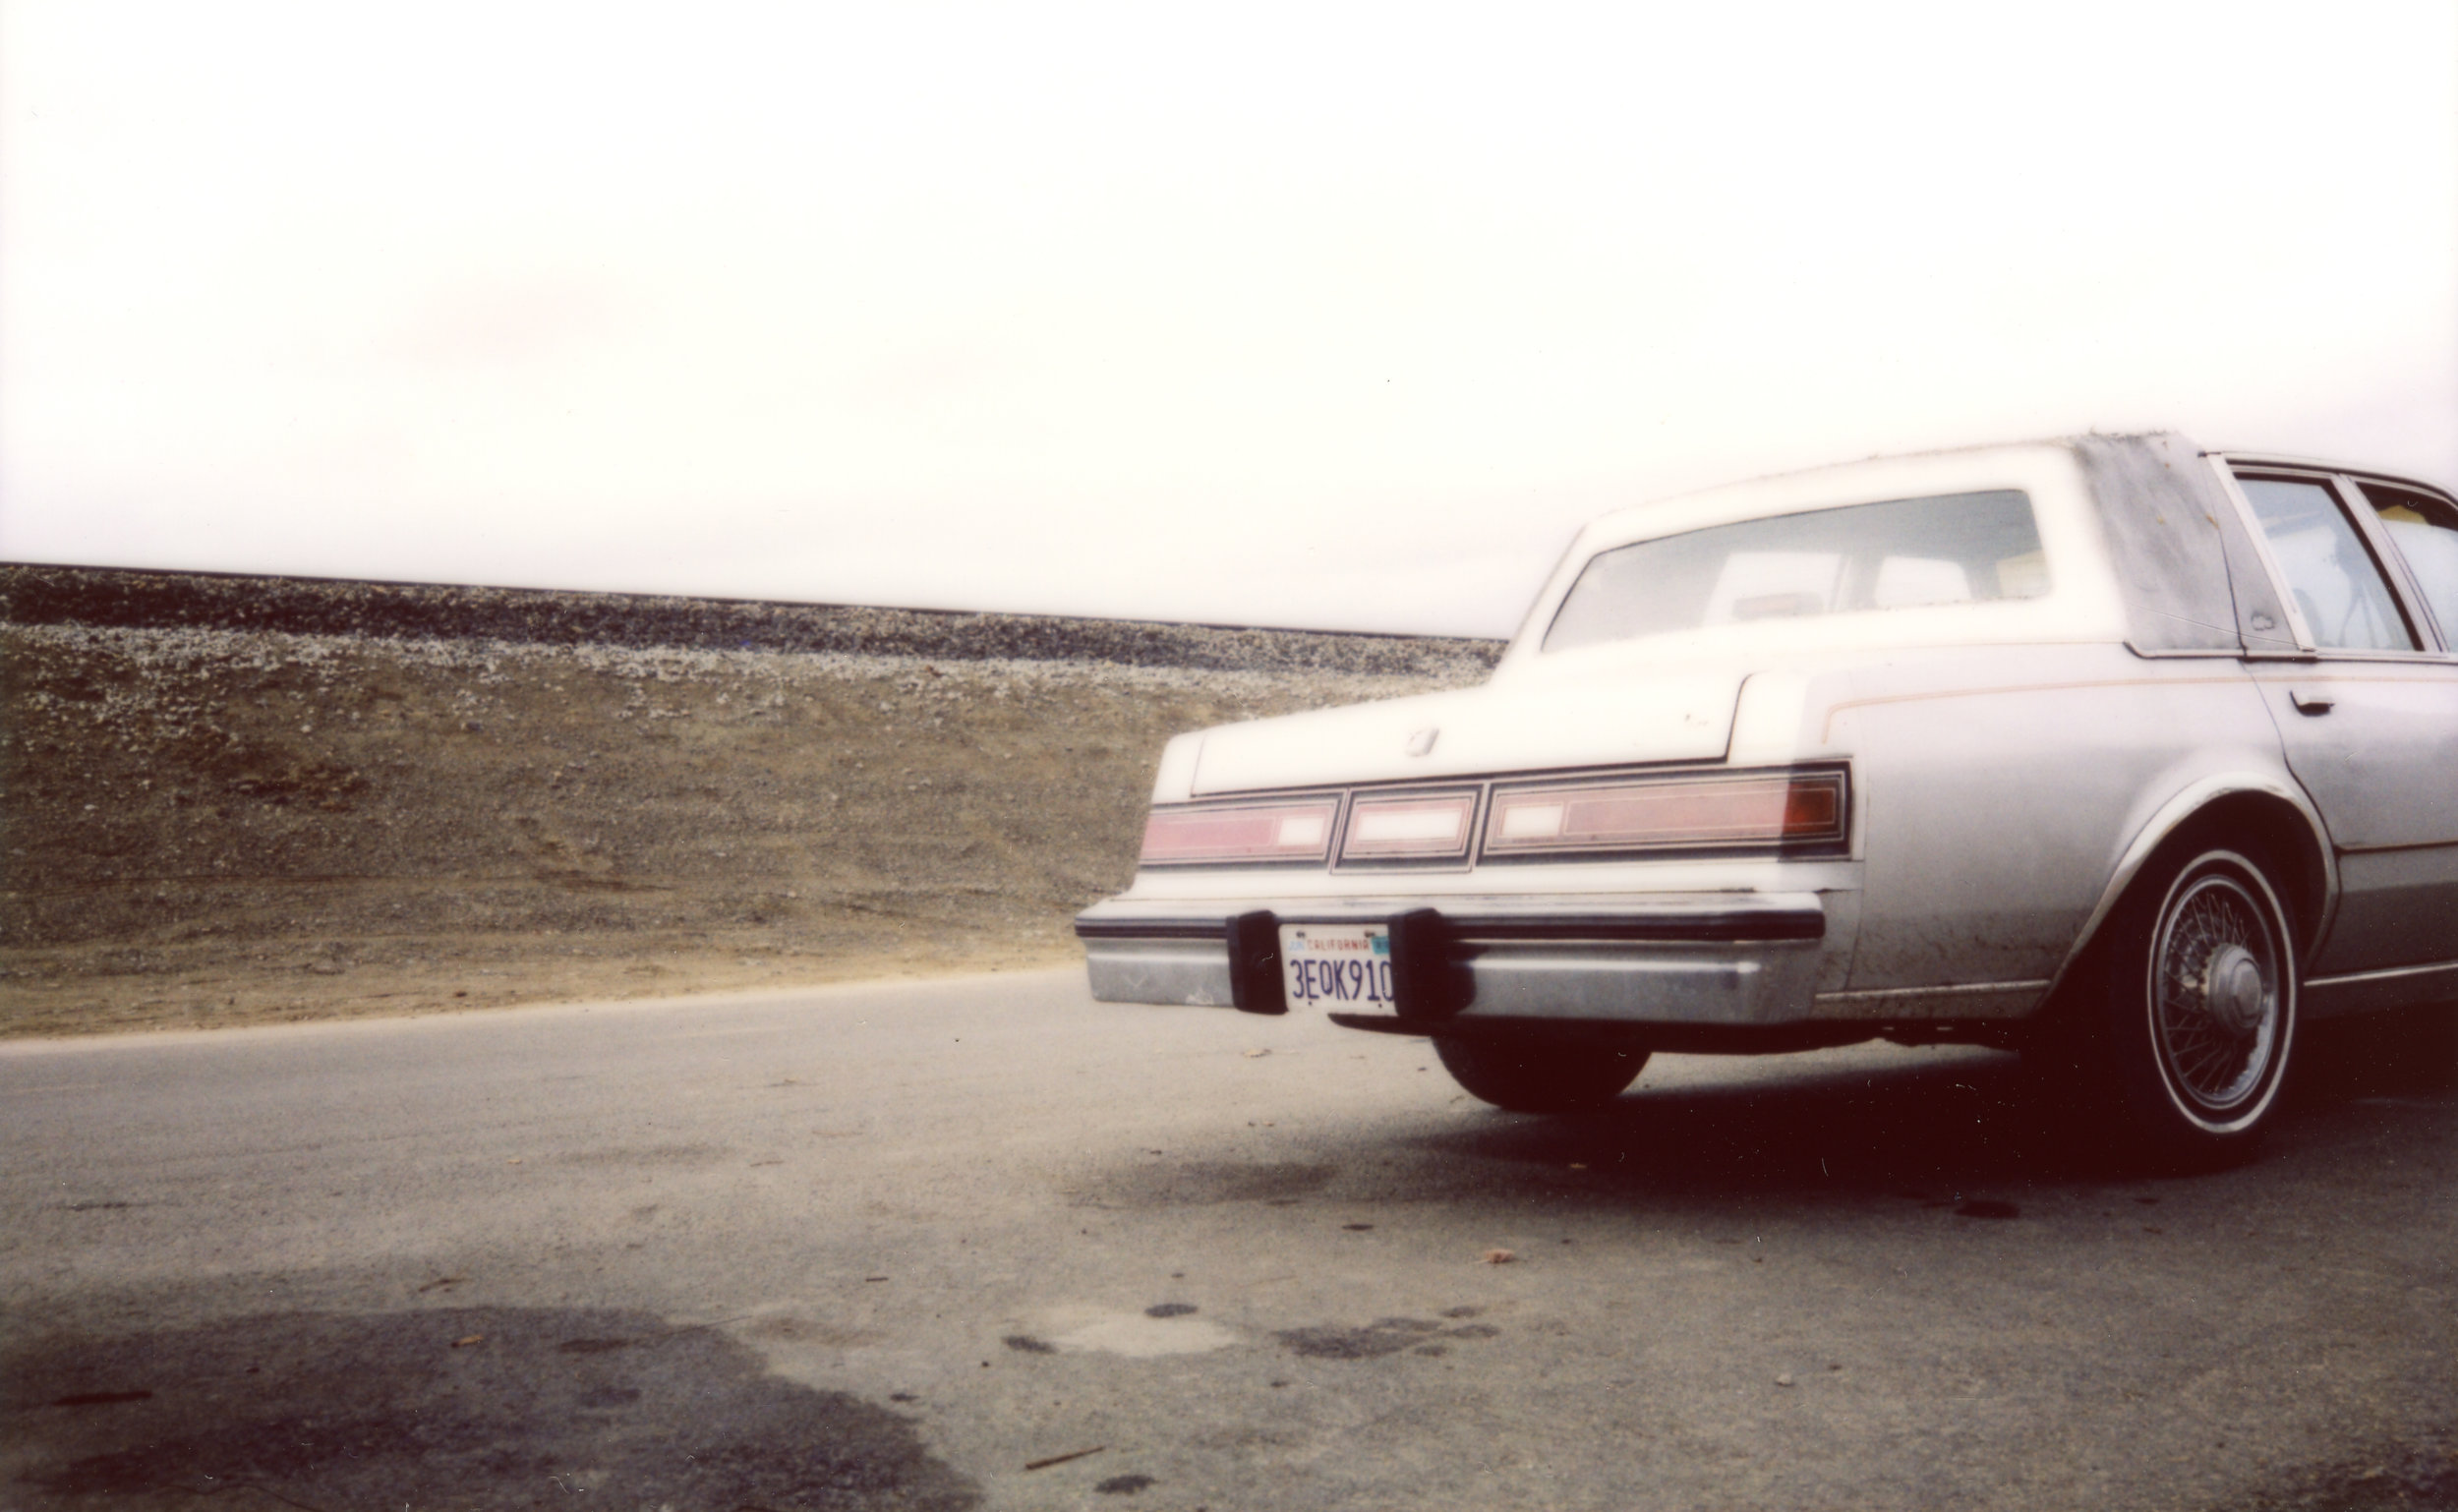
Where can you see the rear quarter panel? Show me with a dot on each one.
(2001, 789)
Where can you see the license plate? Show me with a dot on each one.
(1345, 965)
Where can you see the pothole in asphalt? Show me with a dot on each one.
(476, 1408)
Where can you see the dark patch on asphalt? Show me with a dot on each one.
(333, 1411)
(94, 1207)
(1970, 1121)
(2407, 1053)
(1205, 1183)
(1123, 1486)
(1384, 1336)
(803, 1330)
(2410, 1477)
(1025, 1343)
(1170, 1309)
(609, 1396)
(649, 1155)
(1988, 1207)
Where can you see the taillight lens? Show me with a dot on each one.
(1410, 826)
(1669, 813)
(1274, 832)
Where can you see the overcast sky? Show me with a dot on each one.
(1323, 315)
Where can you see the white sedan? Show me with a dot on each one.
(2130, 754)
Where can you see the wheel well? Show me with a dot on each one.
(2285, 839)
(2260, 821)
(2287, 845)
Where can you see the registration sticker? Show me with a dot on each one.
(1343, 964)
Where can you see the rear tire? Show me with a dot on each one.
(2196, 1018)
(1540, 1077)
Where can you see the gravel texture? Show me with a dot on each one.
(131, 600)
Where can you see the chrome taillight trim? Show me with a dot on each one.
(1718, 817)
(1361, 844)
(1322, 811)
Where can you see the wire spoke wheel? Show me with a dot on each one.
(2215, 992)
(2217, 1003)
(2173, 1051)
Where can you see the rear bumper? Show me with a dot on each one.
(1726, 958)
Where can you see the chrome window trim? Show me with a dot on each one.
(2333, 657)
(2386, 556)
(2224, 466)
(2394, 562)
(2433, 643)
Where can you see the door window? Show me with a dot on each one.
(2424, 530)
(2338, 587)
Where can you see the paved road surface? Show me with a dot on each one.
(908, 1245)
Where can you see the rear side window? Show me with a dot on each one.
(2338, 587)
(2423, 530)
(1903, 554)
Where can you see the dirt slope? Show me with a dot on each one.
(210, 825)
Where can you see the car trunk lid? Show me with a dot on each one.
(1667, 718)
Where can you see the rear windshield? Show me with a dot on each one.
(1905, 554)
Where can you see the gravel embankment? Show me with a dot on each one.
(218, 815)
(113, 597)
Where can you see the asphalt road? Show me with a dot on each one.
(914, 1246)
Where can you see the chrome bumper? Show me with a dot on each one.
(1706, 960)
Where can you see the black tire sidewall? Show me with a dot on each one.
(1535, 1078)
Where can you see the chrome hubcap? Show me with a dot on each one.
(2233, 991)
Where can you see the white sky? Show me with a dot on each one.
(1319, 315)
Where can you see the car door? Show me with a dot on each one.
(2368, 714)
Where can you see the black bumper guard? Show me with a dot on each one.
(1424, 979)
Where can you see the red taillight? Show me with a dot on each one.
(1417, 826)
(1666, 813)
(1277, 832)
(1813, 808)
